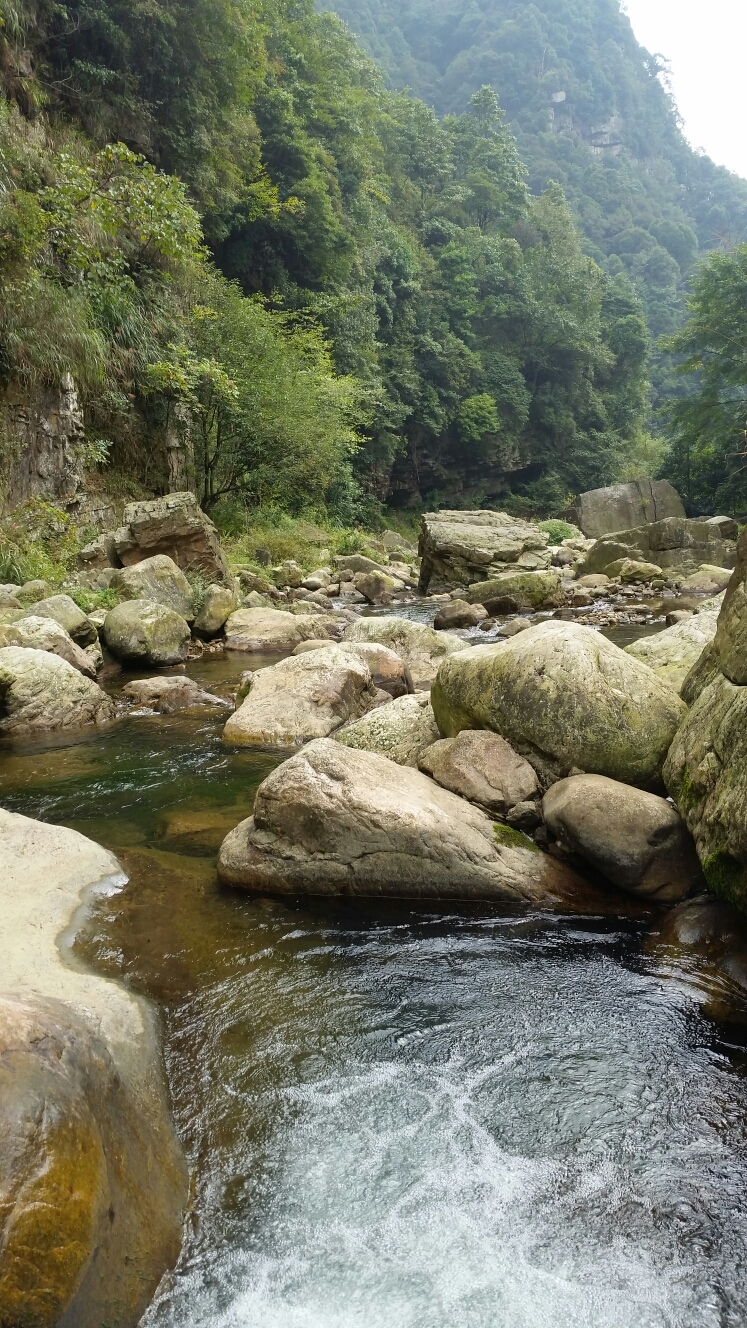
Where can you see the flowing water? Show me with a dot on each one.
(401, 1118)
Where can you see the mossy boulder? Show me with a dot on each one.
(401, 731)
(159, 580)
(140, 631)
(564, 697)
(64, 610)
(528, 590)
(217, 604)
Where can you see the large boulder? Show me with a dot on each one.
(401, 731)
(730, 642)
(677, 544)
(525, 590)
(600, 512)
(707, 580)
(45, 634)
(174, 525)
(275, 630)
(457, 548)
(93, 1184)
(419, 646)
(65, 611)
(157, 579)
(333, 820)
(458, 613)
(565, 698)
(635, 839)
(304, 697)
(483, 768)
(672, 653)
(142, 632)
(218, 603)
(40, 692)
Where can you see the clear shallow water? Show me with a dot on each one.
(403, 1119)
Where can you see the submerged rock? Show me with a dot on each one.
(672, 653)
(169, 694)
(159, 580)
(92, 1180)
(275, 630)
(637, 840)
(40, 692)
(401, 731)
(421, 648)
(333, 820)
(564, 697)
(140, 631)
(304, 697)
(707, 937)
(483, 768)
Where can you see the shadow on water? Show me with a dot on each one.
(403, 1118)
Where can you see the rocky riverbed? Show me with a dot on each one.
(512, 764)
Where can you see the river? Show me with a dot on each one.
(400, 1118)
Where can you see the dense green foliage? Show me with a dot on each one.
(589, 109)
(398, 288)
(709, 455)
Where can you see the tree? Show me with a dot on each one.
(708, 461)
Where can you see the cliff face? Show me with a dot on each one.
(38, 437)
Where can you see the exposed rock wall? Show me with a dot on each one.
(38, 440)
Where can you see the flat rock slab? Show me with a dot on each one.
(483, 768)
(39, 692)
(401, 731)
(564, 697)
(333, 820)
(301, 698)
(637, 840)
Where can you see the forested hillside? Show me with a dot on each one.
(588, 109)
(217, 218)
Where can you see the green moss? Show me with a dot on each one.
(686, 795)
(727, 877)
(509, 838)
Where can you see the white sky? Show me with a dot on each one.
(705, 42)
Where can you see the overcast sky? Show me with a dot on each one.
(705, 42)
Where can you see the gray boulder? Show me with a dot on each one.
(36, 633)
(457, 548)
(260, 629)
(483, 768)
(64, 610)
(389, 673)
(40, 692)
(636, 840)
(166, 695)
(522, 590)
(142, 632)
(421, 648)
(333, 820)
(564, 697)
(600, 512)
(219, 602)
(301, 698)
(401, 731)
(174, 525)
(159, 580)
(672, 653)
